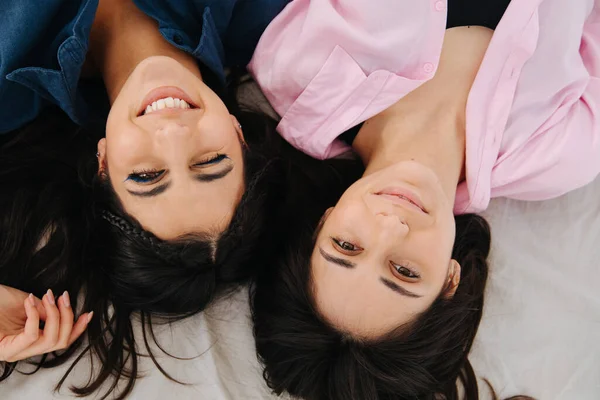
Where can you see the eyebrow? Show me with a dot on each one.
(339, 261)
(398, 289)
(151, 193)
(350, 265)
(200, 178)
(215, 176)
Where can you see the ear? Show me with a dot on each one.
(238, 128)
(453, 279)
(101, 157)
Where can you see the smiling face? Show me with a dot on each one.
(383, 254)
(173, 152)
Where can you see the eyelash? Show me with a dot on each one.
(400, 269)
(340, 244)
(411, 274)
(137, 176)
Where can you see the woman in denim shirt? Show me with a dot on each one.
(164, 211)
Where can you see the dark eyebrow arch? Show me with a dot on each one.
(214, 177)
(151, 193)
(339, 261)
(348, 264)
(398, 289)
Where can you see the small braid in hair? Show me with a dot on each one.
(128, 228)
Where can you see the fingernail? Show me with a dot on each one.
(50, 296)
(66, 299)
(89, 317)
(31, 301)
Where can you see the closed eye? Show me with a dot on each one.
(212, 160)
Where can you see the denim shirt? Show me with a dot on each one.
(43, 46)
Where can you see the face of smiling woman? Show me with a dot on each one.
(172, 151)
(383, 254)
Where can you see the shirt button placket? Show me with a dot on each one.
(438, 5)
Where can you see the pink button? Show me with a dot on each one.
(440, 6)
(428, 67)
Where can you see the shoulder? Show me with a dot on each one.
(31, 68)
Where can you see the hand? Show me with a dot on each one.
(20, 315)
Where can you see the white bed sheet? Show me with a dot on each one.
(540, 334)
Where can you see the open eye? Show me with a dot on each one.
(346, 247)
(405, 271)
(146, 176)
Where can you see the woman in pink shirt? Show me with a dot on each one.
(386, 299)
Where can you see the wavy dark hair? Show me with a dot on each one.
(63, 227)
(305, 355)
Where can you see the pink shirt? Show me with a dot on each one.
(533, 114)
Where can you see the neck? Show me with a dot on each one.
(432, 135)
(428, 125)
(122, 36)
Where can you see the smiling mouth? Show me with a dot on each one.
(403, 198)
(166, 99)
(168, 103)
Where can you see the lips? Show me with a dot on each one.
(404, 196)
(166, 92)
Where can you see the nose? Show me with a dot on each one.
(392, 225)
(174, 140)
(173, 129)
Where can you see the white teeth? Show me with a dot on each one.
(168, 102)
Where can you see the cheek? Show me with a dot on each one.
(125, 146)
(450, 232)
(347, 216)
(231, 192)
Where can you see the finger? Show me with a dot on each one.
(30, 334)
(39, 305)
(66, 321)
(80, 326)
(32, 324)
(49, 336)
(37, 349)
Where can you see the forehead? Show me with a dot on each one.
(175, 222)
(355, 300)
(203, 208)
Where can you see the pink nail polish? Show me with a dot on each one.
(66, 299)
(50, 296)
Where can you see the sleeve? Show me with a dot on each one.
(564, 154)
(14, 49)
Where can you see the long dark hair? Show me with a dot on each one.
(62, 227)
(306, 356)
